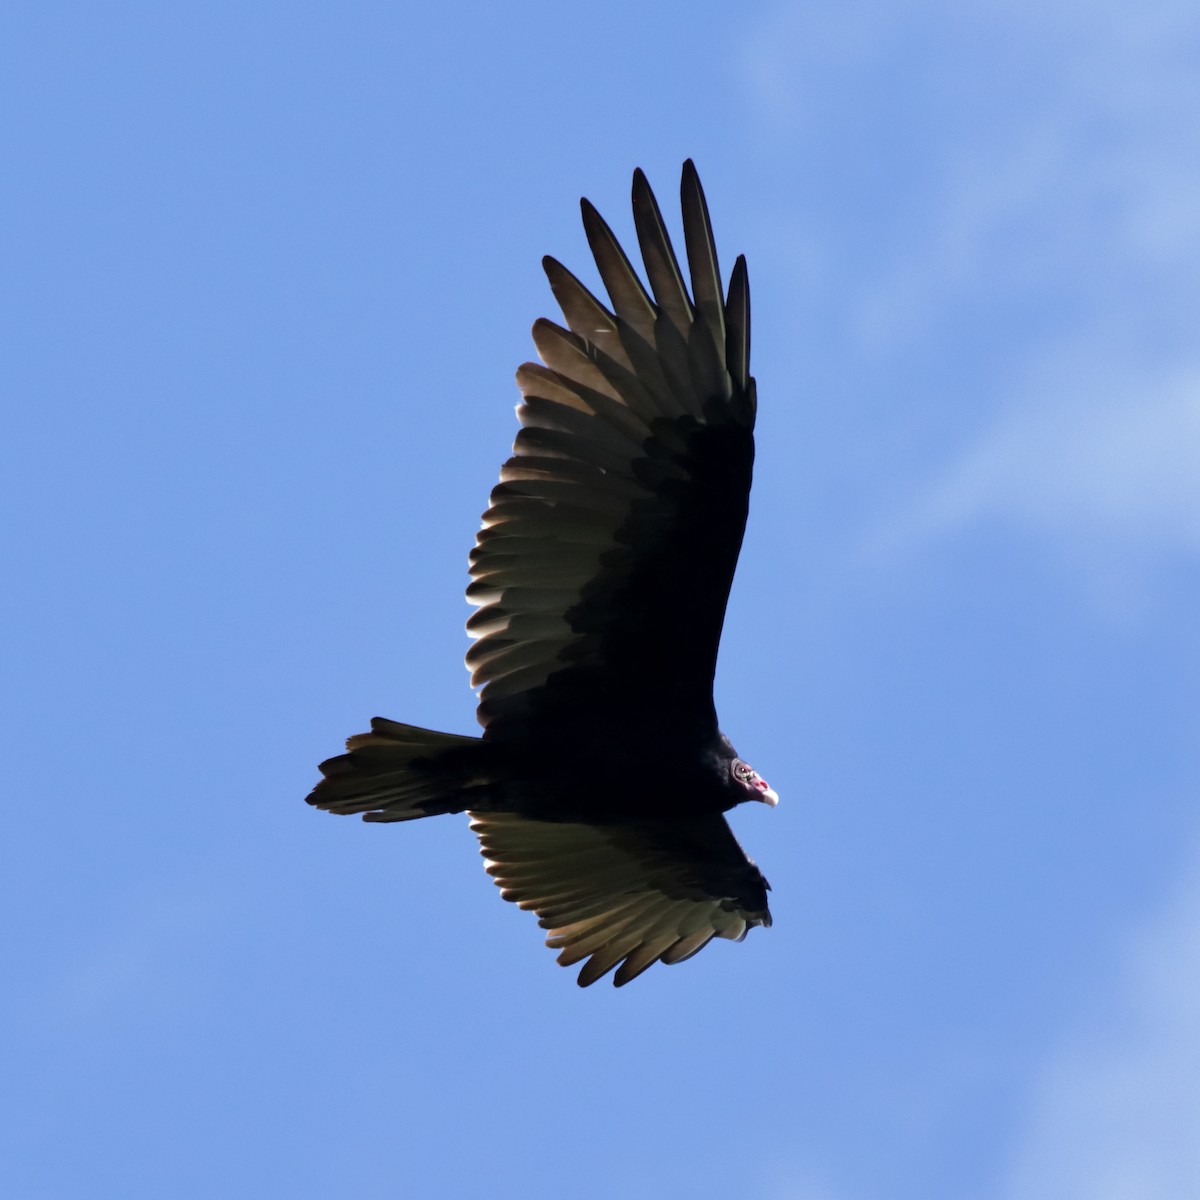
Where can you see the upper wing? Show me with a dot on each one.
(634, 894)
(604, 563)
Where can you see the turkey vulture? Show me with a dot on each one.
(601, 575)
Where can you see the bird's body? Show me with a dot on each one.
(601, 576)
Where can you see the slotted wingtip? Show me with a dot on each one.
(641, 192)
(689, 183)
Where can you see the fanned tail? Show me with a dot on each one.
(401, 772)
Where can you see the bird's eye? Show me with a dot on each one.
(742, 771)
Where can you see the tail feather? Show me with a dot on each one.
(402, 772)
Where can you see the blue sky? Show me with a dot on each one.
(268, 272)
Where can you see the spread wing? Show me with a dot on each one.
(606, 556)
(634, 894)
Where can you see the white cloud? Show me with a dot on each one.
(1103, 463)
(1075, 197)
(1116, 1114)
(1059, 208)
(785, 1178)
(1071, 173)
(1087, 192)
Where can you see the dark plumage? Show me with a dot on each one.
(601, 576)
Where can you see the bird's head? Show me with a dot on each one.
(752, 783)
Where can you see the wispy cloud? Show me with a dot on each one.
(1054, 223)
(1109, 469)
(1063, 214)
(1115, 1114)
(786, 1178)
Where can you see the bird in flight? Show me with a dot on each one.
(600, 578)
